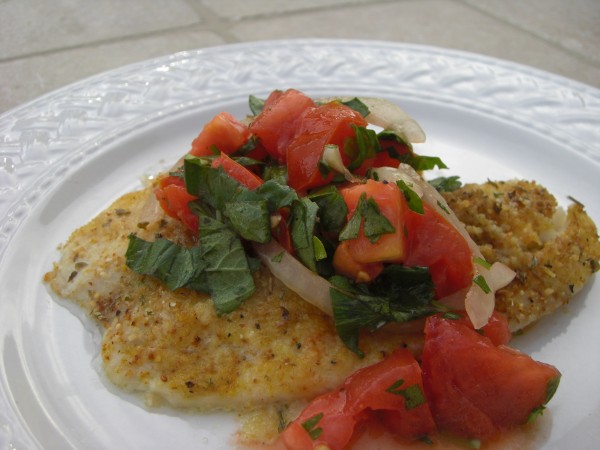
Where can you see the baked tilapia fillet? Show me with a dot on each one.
(275, 349)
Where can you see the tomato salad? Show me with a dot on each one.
(341, 215)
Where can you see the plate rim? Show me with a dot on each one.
(22, 203)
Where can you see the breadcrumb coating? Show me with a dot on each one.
(520, 224)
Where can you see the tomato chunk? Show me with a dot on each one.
(236, 171)
(344, 264)
(433, 242)
(475, 388)
(276, 125)
(389, 247)
(174, 199)
(393, 388)
(224, 132)
(323, 422)
(329, 124)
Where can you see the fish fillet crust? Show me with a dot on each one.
(519, 224)
(172, 346)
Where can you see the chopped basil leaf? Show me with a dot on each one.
(218, 266)
(246, 148)
(319, 249)
(332, 208)
(278, 257)
(174, 265)
(277, 195)
(414, 201)
(399, 294)
(551, 388)
(375, 224)
(446, 184)
(535, 413)
(451, 316)
(413, 395)
(443, 207)
(310, 424)
(250, 219)
(276, 173)
(479, 280)
(246, 162)
(256, 104)
(357, 105)
(302, 226)
(420, 162)
(365, 146)
(227, 273)
(483, 263)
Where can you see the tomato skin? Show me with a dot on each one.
(174, 199)
(330, 123)
(276, 125)
(237, 171)
(224, 132)
(368, 388)
(345, 264)
(392, 204)
(496, 330)
(433, 242)
(476, 389)
(362, 394)
(336, 424)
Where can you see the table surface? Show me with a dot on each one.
(48, 44)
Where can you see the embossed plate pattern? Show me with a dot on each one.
(66, 155)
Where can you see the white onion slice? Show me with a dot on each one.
(291, 272)
(389, 116)
(478, 304)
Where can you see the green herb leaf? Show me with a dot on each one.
(256, 105)
(332, 208)
(276, 194)
(414, 201)
(174, 265)
(399, 294)
(479, 280)
(365, 146)
(482, 262)
(446, 184)
(357, 105)
(375, 223)
(227, 273)
(310, 424)
(420, 162)
(302, 226)
(413, 395)
(319, 249)
(250, 219)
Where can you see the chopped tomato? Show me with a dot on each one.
(496, 330)
(236, 171)
(475, 388)
(324, 421)
(383, 158)
(327, 124)
(392, 205)
(276, 125)
(174, 199)
(345, 264)
(434, 243)
(223, 133)
(393, 386)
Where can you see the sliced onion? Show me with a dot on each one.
(478, 304)
(291, 272)
(333, 158)
(389, 116)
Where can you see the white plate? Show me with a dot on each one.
(67, 155)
